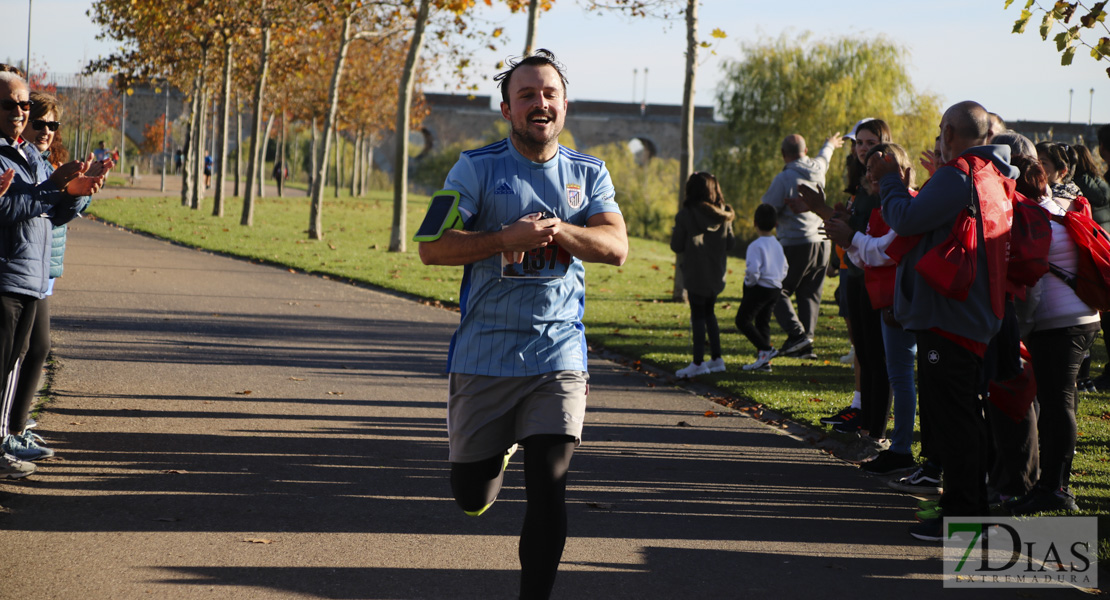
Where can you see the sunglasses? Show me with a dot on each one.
(39, 125)
(11, 104)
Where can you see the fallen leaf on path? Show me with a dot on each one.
(335, 393)
(683, 424)
(258, 541)
(710, 414)
(174, 472)
(76, 423)
(244, 393)
(297, 378)
(600, 505)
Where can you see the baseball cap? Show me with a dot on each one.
(851, 135)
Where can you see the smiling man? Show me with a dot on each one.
(533, 213)
(28, 212)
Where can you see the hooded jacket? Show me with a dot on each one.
(703, 235)
(931, 214)
(27, 218)
(795, 229)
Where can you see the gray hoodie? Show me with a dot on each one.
(932, 213)
(795, 229)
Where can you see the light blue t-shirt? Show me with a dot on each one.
(525, 319)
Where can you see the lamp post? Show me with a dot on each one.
(1071, 94)
(1091, 109)
(27, 65)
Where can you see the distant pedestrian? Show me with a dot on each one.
(764, 272)
(178, 158)
(207, 170)
(807, 251)
(702, 236)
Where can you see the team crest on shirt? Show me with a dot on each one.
(574, 195)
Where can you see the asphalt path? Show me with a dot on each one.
(228, 429)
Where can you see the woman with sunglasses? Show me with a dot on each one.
(43, 134)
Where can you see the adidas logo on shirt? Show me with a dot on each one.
(503, 189)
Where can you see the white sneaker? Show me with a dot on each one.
(764, 359)
(692, 370)
(850, 357)
(14, 468)
(717, 365)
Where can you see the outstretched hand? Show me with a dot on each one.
(836, 140)
(99, 167)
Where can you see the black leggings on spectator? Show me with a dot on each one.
(30, 370)
(703, 322)
(867, 335)
(546, 462)
(1056, 357)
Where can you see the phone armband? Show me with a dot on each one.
(443, 214)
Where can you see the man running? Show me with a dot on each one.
(533, 212)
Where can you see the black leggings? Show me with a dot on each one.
(703, 323)
(546, 462)
(30, 370)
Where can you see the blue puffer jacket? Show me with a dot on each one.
(28, 213)
(58, 242)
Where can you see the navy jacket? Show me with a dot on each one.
(28, 213)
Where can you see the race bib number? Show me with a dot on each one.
(549, 262)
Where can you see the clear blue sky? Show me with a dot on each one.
(959, 49)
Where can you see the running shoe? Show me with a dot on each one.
(888, 462)
(924, 481)
(929, 531)
(852, 425)
(504, 464)
(850, 357)
(845, 414)
(927, 504)
(928, 514)
(24, 447)
(717, 365)
(692, 370)
(763, 359)
(794, 346)
(13, 468)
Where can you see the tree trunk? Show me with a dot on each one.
(533, 20)
(686, 151)
(312, 159)
(187, 172)
(279, 163)
(262, 157)
(356, 164)
(221, 140)
(238, 143)
(247, 217)
(338, 162)
(397, 233)
(199, 142)
(315, 223)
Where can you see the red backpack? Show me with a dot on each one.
(1091, 281)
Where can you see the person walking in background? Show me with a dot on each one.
(764, 272)
(807, 251)
(517, 362)
(702, 236)
(207, 169)
(1097, 192)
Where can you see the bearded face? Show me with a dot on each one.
(536, 110)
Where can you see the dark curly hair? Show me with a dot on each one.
(538, 58)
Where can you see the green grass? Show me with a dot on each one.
(628, 309)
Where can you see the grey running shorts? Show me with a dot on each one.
(486, 415)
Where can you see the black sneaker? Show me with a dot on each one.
(793, 346)
(889, 461)
(845, 413)
(850, 425)
(1044, 501)
(924, 481)
(929, 530)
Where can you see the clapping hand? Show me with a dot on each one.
(930, 161)
(839, 231)
(6, 181)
